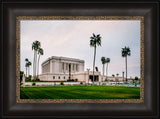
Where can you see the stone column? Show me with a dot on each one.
(64, 67)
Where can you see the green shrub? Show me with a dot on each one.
(33, 83)
(76, 80)
(21, 83)
(36, 79)
(103, 84)
(28, 78)
(81, 83)
(62, 83)
(21, 76)
(70, 80)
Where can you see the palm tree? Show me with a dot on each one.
(103, 60)
(113, 75)
(126, 52)
(117, 74)
(26, 65)
(96, 69)
(69, 71)
(136, 79)
(35, 46)
(94, 42)
(40, 52)
(107, 61)
(29, 64)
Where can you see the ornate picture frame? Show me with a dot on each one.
(147, 13)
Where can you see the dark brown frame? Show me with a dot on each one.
(149, 9)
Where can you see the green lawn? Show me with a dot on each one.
(80, 92)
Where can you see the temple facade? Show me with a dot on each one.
(62, 68)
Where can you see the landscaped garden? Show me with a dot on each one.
(80, 92)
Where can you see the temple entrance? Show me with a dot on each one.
(96, 78)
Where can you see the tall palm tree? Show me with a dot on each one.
(126, 52)
(103, 60)
(117, 78)
(107, 61)
(26, 65)
(113, 75)
(35, 46)
(29, 64)
(94, 42)
(96, 69)
(69, 71)
(117, 74)
(40, 52)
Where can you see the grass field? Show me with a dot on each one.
(80, 92)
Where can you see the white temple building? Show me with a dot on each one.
(58, 69)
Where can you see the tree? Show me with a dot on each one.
(40, 52)
(107, 61)
(29, 64)
(94, 42)
(117, 74)
(136, 79)
(103, 60)
(35, 46)
(117, 78)
(113, 75)
(96, 69)
(21, 76)
(26, 65)
(69, 71)
(126, 52)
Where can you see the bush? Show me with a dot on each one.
(62, 83)
(28, 78)
(103, 84)
(36, 79)
(70, 80)
(76, 80)
(34, 83)
(21, 83)
(81, 83)
(21, 75)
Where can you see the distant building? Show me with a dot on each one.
(57, 69)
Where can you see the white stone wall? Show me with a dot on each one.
(54, 65)
(53, 77)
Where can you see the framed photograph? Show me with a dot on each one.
(80, 59)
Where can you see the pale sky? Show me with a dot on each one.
(71, 38)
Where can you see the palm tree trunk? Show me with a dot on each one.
(26, 71)
(29, 70)
(126, 68)
(34, 64)
(69, 71)
(38, 66)
(94, 62)
(103, 72)
(107, 71)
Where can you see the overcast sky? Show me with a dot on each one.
(71, 38)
